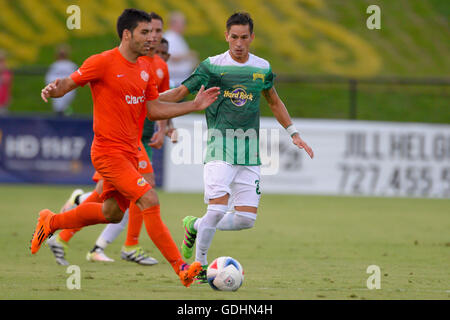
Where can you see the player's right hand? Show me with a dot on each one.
(49, 89)
(302, 145)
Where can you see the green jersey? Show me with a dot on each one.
(233, 119)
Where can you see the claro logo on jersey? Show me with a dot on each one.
(134, 100)
(238, 96)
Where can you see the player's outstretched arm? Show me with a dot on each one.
(175, 94)
(282, 115)
(159, 110)
(58, 88)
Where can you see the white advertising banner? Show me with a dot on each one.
(364, 158)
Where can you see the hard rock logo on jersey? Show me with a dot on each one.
(238, 96)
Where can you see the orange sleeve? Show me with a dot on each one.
(165, 84)
(91, 69)
(151, 93)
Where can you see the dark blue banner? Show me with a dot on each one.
(45, 150)
(51, 150)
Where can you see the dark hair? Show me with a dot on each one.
(156, 16)
(129, 19)
(164, 40)
(240, 18)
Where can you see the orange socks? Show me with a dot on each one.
(93, 197)
(84, 215)
(135, 220)
(161, 237)
(67, 234)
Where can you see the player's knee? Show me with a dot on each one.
(244, 220)
(216, 211)
(112, 211)
(149, 199)
(116, 218)
(113, 216)
(223, 200)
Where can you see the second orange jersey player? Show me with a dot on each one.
(122, 86)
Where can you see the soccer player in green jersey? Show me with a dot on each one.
(232, 164)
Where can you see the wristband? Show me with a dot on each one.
(291, 130)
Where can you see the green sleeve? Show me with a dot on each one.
(198, 78)
(269, 79)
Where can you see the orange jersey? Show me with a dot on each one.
(120, 90)
(161, 72)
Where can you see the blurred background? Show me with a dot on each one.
(329, 64)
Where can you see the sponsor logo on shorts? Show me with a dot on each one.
(144, 75)
(141, 182)
(143, 164)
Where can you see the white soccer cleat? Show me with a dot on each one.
(58, 248)
(137, 254)
(98, 255)
(70, 203)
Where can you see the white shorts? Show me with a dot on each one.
(240, 182)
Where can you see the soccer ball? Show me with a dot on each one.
(225, 274)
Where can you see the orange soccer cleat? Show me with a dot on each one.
(189, 272)
(42, 231)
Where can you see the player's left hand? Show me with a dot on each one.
(157, 140)
(302, 145)
(205, 98)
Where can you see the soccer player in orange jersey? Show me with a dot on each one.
(131, 251)
(122, 85)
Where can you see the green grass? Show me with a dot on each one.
(302, 247)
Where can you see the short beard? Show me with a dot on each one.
(135, 48)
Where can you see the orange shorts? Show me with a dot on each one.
(145, 165)
(122, 179)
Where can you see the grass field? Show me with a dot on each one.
(302, 247)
